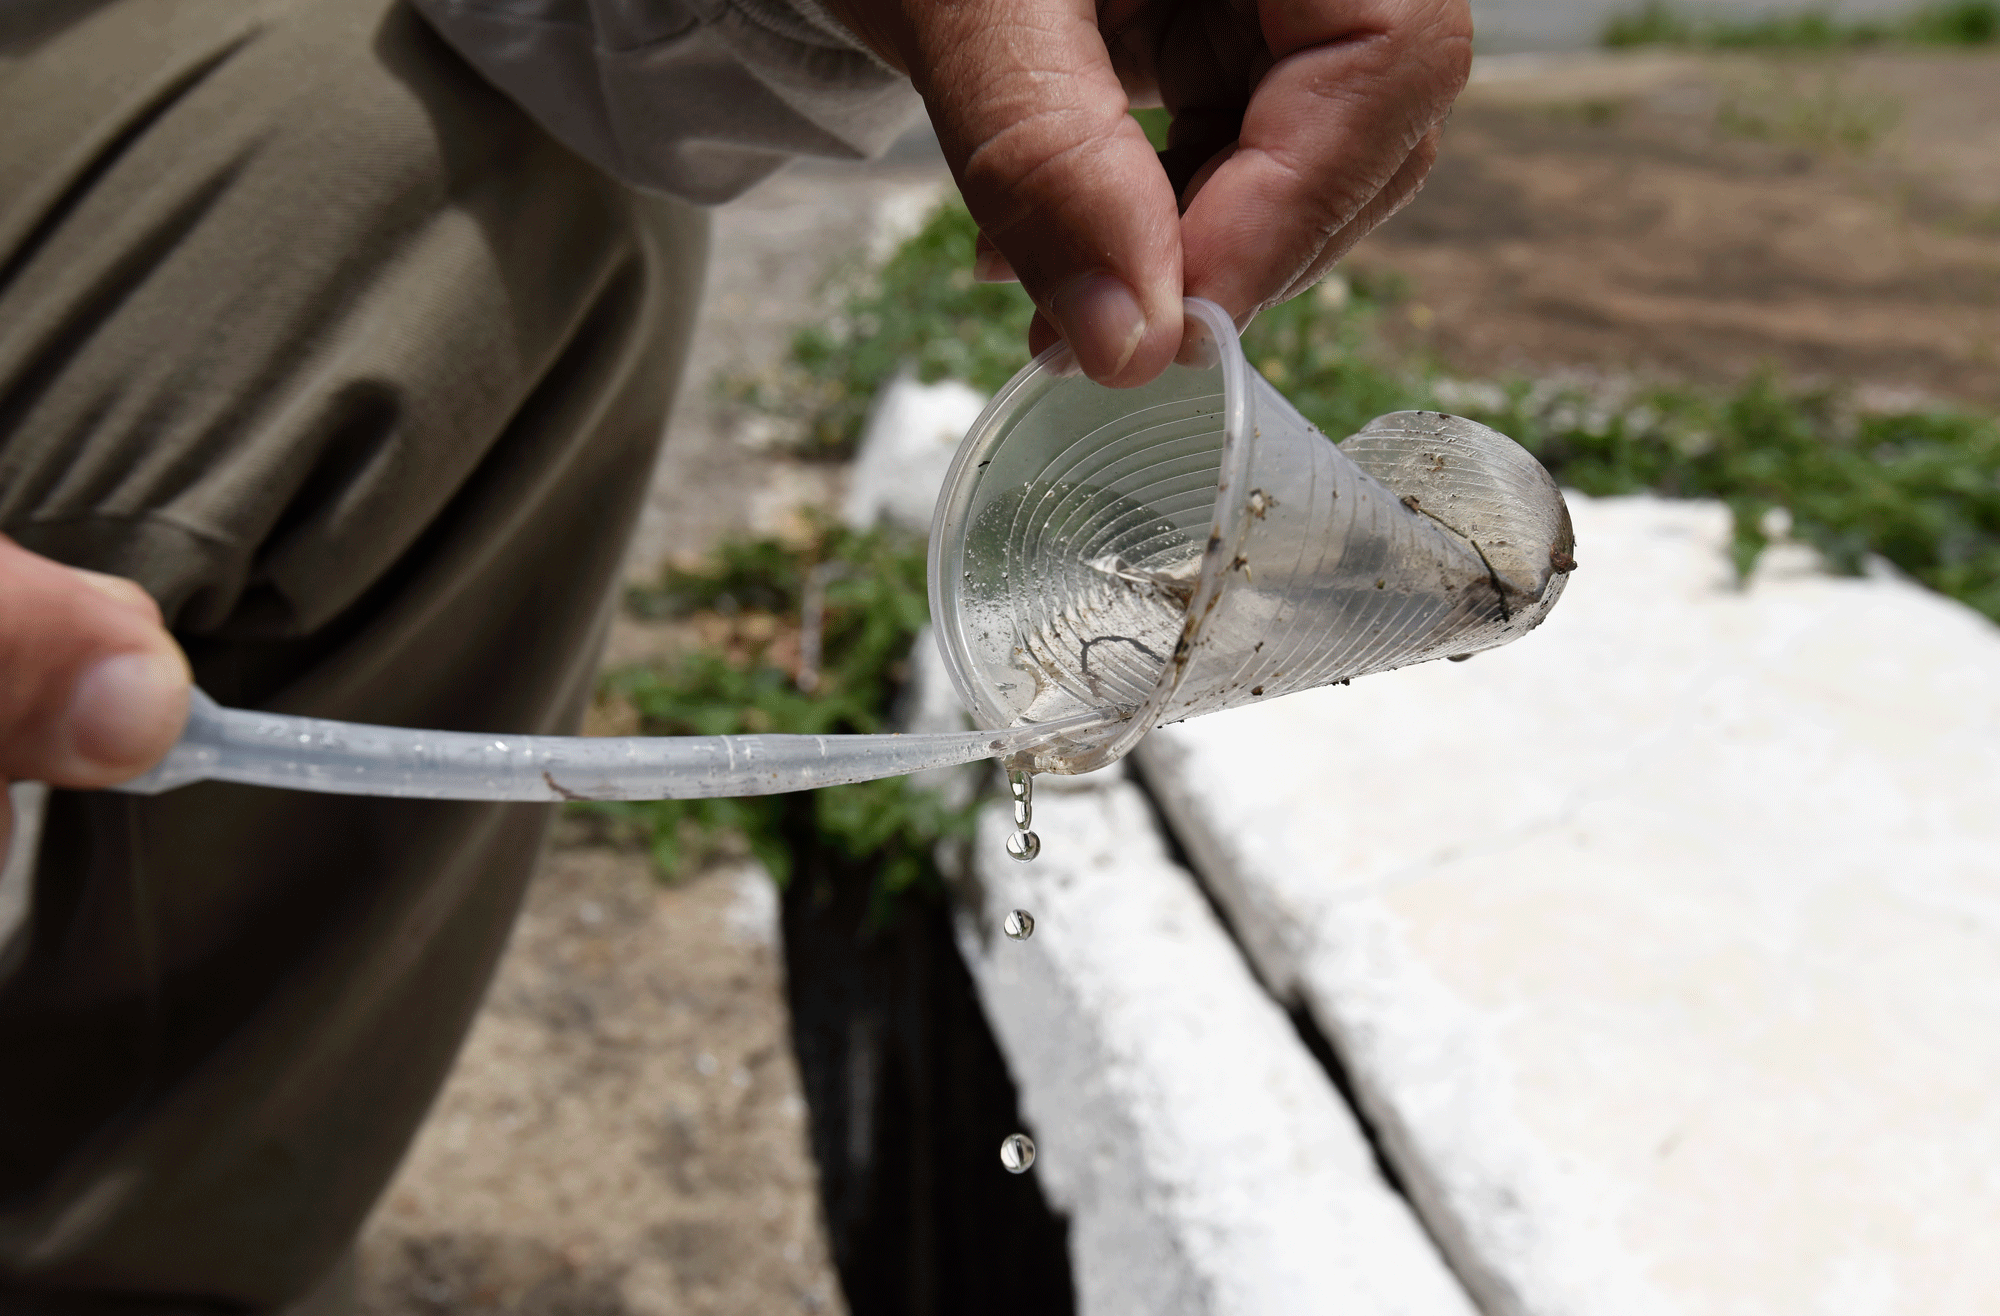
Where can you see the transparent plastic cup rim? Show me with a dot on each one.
(1209, 340)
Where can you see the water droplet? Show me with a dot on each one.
(1023, 844)
(1019, 924)
(1017, 1153)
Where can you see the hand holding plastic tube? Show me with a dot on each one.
(92, 688)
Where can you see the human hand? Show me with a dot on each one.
(93, 690)
(1298, 126)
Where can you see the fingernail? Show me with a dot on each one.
(127, 710)
(1102, 321)
(992, 267)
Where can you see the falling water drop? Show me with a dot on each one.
(1019, 924)
(1017, 1153)
(1023, 844)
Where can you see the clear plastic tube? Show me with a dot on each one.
(350, 758)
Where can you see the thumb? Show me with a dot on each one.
(93, 690)
(1060, 178)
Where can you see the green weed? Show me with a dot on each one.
(874, 607)
(1921, 490)
(921, 310)
(1822, 114)
(1658, 23)
(1967, 23)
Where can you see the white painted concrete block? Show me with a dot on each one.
(1205, 1161)
(1663, 945)
(906, 447)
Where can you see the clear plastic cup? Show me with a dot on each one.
(1194, 545)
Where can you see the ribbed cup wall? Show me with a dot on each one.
(1333, 577)
(1083, 538)
(1092, 562)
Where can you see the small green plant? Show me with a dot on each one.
(874, 606)
(1652, 24)
(762, 575)
(1966, 23)
(1825, 113)
(1658, 23)
(1921, 490)
(1593, 112)
(922, 311)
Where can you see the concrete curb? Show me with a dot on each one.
(1203, 1157)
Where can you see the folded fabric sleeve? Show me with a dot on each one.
(698, 99)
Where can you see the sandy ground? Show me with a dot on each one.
(625, 1131)
(1697, 220)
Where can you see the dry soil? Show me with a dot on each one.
(1700, 219)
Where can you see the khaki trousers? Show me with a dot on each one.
(317, 336)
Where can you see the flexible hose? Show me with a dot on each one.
(350, 758)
